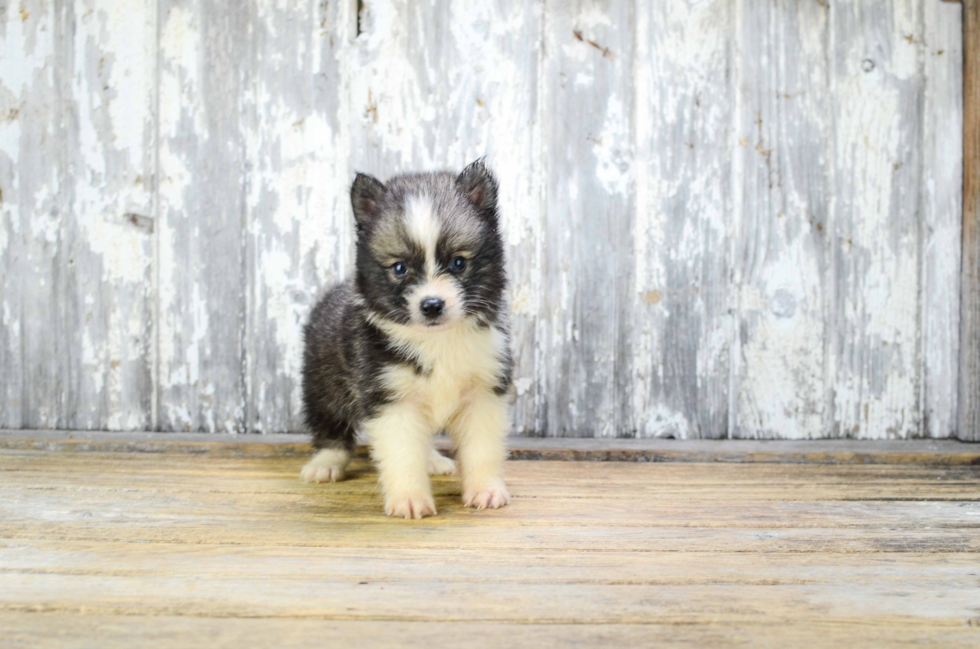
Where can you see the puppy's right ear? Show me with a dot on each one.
(365, 197)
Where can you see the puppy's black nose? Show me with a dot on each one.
(431, 307)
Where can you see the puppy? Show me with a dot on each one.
(416, 342)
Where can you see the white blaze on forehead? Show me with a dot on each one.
(423, 228)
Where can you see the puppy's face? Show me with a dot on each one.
(429, 254)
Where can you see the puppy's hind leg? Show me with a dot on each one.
(334, 442)
(327, 465)
(439, 464)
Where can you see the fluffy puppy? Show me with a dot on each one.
(416, 342)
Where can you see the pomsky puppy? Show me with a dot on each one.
(416, 342)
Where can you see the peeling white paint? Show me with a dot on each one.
(523, 385)
(612, 150)
(660, 421)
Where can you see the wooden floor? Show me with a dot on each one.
(178, 549)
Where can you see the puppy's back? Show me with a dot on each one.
(327, 318)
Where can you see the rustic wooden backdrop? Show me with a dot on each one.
(725, 218)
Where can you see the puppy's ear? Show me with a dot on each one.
(480, 187)
(365, 197)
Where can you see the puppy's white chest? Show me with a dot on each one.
(444, 391)
(456, 364)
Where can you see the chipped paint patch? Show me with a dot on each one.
(614, 157)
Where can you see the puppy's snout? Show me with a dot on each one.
(432, 307)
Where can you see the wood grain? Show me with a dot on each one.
(877, 83)
(681, 329)
(298, 228)
(969, 368)
(588, 292)
(782, 170)
(108, 300)
(111, 545)
(33, 253)
(76, 198)
(942, 214)
(201, 262)
(115, 631)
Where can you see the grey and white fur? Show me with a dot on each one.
(417, 342)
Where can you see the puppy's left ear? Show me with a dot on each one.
(480, 187)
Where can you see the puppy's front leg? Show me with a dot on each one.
(401, 441)
(478, 431)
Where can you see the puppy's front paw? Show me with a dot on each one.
(410, 507)
(439, 464)
(490, 496)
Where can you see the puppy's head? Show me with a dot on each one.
(428, 251)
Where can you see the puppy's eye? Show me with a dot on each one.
(399, 269)
(457, 265)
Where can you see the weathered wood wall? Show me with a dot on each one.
(725, 218)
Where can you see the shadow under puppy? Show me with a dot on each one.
(416, 343)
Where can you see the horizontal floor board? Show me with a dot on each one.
(487, 565)
(325, 532)
(67, 502)
(43, 630)
(937, 602)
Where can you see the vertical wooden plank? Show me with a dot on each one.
(300, 230)
(202, 190)
(876, 247)
(437, 85)
(783, 188)
(682, 327)
(106, 269)
(510, 120)
(32, 173)
(969, 379)
(942, 180)
(588, 262)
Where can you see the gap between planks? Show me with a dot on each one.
(860, 452)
